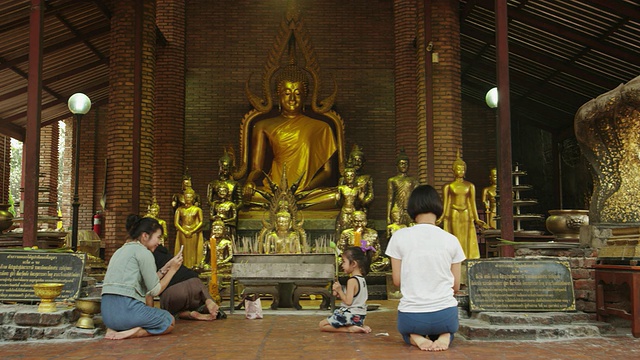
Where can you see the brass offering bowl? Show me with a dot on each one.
(88, 307)
(48, 292)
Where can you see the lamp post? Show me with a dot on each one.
(492, 98)
(79, 104)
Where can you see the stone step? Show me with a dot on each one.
(20, 322)
(531, 326)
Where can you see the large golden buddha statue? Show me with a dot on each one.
(307, 143)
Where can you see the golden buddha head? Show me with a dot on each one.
(292, 87)
(224, 164)
(217, 228)
(222, 190)
(493, 176)
(283, 220)
(459, 167)
(349, 174)
(359, 219)
(189, 196)
(154, 209)
(356, 157)
(402, 161)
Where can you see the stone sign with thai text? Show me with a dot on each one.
(520, 285)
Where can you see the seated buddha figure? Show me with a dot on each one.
(293, 144)
(366, 238)
(223, 249)
(225, 164)
(224, 209)
(283, 239)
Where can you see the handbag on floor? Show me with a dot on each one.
(252, 308)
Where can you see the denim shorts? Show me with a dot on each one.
(343, 317)
(429, 324)
(121, 313)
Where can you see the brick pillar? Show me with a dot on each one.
(5, 171)
(404, 14)
(120, 122)
(170, 108)
(447, 102)
(48, 171)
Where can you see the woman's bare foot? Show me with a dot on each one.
(441, 343)
(204, 317)
(212, 307)
(359, 329)
(422, 342)
(126, 334)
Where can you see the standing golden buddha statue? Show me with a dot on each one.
(489, 199)
(460, 215)
(153, 210)
(177, 199)
(188, 222)
(399, 188)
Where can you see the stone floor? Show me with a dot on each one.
(291, 334)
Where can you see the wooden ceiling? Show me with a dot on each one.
(562, 54)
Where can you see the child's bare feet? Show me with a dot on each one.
(441, 343)
(359, 329)
(422, 342)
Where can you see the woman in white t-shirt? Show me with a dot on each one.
(425, 263)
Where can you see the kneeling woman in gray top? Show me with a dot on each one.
(130, 278)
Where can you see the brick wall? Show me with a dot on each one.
(479, 142)
(121, 118)
(169, 113)
(48, 171)
(227, 41)
(5, 152)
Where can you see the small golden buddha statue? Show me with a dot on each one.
(223, 249)
(363, 181)
(188, 222)
(177, 200)
(362, 236)
(153, 210)
(460, 215)
(399, 188)
(489, 199)
(225, 209)
(347, 195)
(283, 239)
(225, 164)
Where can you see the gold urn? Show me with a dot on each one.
(47, 292)
(88, 307)
(565, 224)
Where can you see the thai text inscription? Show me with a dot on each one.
(20, 270)
(520, 285)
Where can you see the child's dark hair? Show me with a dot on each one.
(137, 225)
(360, 256)
(424, 199)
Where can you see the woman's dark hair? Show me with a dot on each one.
(137, 225)
(360, 256)
(424, 199)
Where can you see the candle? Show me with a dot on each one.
(357, 236)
